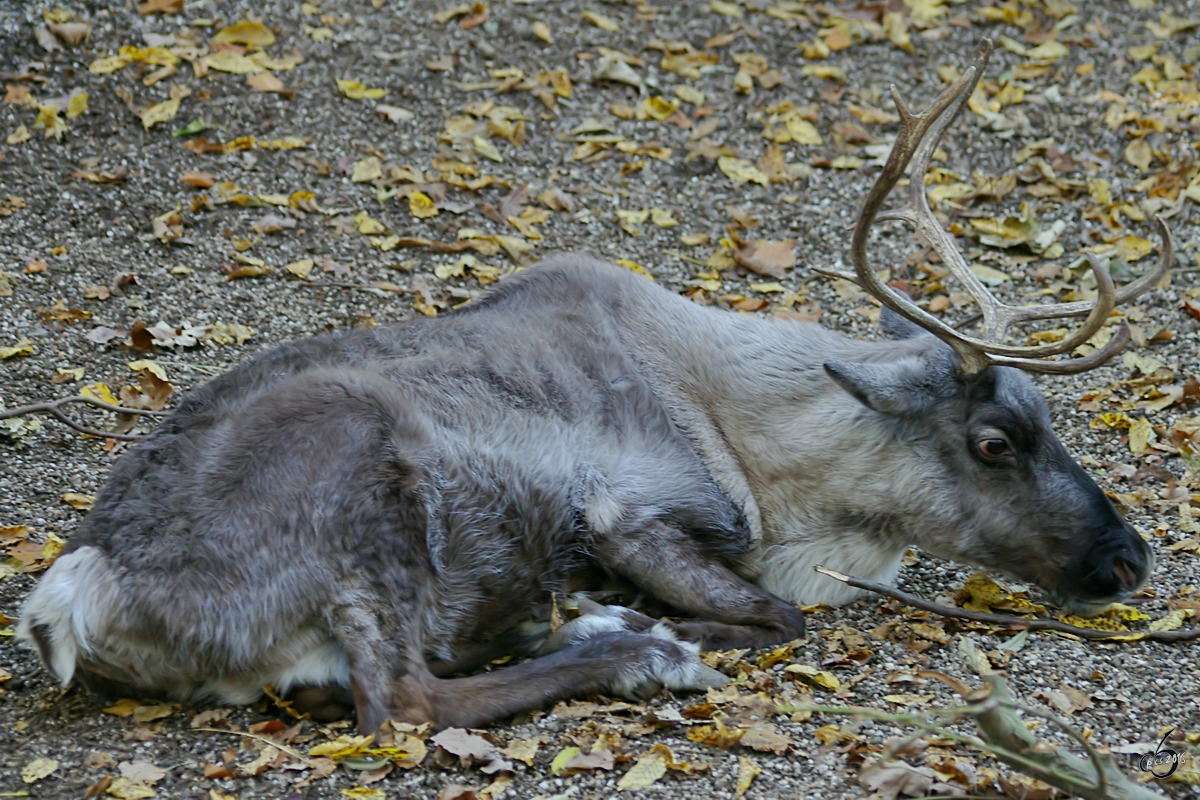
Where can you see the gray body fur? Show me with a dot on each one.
(390, 505)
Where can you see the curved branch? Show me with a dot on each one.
(1015, 623)
(53, 408)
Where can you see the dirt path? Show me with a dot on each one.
(268, 201)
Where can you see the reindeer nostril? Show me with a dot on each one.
(1125, 574)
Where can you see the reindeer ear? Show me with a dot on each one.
(898, 327)
(907, 386)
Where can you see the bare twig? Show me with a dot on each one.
(290, 751)
(53, 409)
(1015, 623)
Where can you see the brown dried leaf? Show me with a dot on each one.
(766, 258)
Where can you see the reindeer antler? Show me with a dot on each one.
(918, 138)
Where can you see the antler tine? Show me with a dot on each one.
(1073, 366)
(914, 140)
(1126, 293)
(915, 144)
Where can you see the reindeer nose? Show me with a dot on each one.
(1125, 573)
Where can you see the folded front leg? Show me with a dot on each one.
(666, 563)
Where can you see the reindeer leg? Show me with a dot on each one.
(630, 665)
(665, 562)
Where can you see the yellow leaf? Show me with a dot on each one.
(21, 134)
(321, 34)
(101, 392)
(801, 130)
(1051, 49)
(228, 61)
(357, 91)
(522, 750)
(726, 9)
(602, 22)
(367, 225)
(689, 94)
(300, 268)
(1172, 620)
(989, 275)
(824, 71)
(1127, 613)
(1134, 248)
(37, 769)
(658, 107)
(649, 768)
(343, 747)
(558, 767)
(926, 10)
(741, 170)
(747, 772)
(369, 169)
(265, 82)
(486, 148)
(1139, 154)
(125, 789)
(984, 594)
(1141, 435)
(164, 112)
(821, 678)
(80, 502)
(542, 31)
(364, 793)
(251, 33)
(78, 105)
(122, 708)
(662, 217)
(158, 56)
(23, 347)
(633, 266)
(48, 119)
(107, 64)
(421, 205)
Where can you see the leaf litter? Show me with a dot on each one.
(399, 203)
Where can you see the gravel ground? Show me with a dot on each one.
(67, 238)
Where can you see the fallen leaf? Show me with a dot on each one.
(357, 91)
(523, 750)
(742, 170)
(141, 771)
(201, 180)
(265, 82)
(248, 33)
(80, 502)
(124, 707)
(602, 22)
(23, 347)
(160, 7)
(766, 258)
(649, 768)
(747, 772)
(125, 789)
(37, 769)
(421, 205)
(166, 111)
(369, 169)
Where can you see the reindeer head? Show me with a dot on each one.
(991, 483)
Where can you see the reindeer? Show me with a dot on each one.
(363, 519)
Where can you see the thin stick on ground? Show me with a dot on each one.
(53, 408)
(296, 754)
(1015, 623)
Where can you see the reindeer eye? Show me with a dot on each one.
(992, 448)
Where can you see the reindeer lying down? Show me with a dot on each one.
(359, 517)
